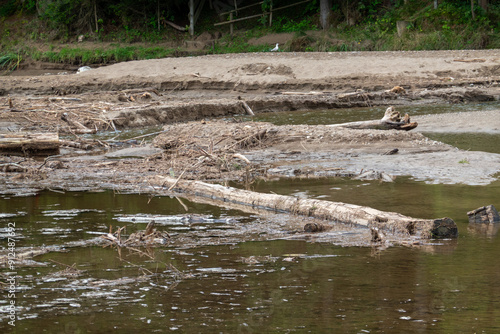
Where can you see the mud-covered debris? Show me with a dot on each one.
(253, 259)
(315, 227)
(484, 215)
(149, 236)
(374, 175)
(69, 271)
(391, 152)
(397, 90)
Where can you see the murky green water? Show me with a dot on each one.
(282, 286)
(466, 141)
(245, 286)
(334, 116)
(485, 142)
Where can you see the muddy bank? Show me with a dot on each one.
(172, 90)
(224, 151)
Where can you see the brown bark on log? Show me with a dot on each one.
(30, 143)
(332, 211)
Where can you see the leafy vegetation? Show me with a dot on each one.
(114, 54)
(48, 29)
(9, 62)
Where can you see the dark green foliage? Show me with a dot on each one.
(357, 25)
(77, 56)
(285, 24)
(7, 8)
(59, 12)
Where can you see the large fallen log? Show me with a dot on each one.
(391, 120)
(332, 211)
(29, 143)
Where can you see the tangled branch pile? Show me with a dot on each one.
(216, 146)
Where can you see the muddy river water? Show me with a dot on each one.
(258, 281)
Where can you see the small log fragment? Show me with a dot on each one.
(29, 143)
(391, 120)
(484, 215)
(76, 126)
(241, 157)
(11, 106)
(332, 211)
(247, 108)
(391, 152)
(75, 144)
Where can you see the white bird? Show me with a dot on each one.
(276, 48)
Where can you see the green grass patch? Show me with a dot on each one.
(9, 62)
(78, 56)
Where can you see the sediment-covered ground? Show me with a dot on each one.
(173, 91)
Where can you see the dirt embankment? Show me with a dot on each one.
(172, 90)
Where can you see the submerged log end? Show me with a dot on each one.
(444, 228)
(484, 215)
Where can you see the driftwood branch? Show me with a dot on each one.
(392, 120)
(175, 26)
(247, 108)
(76, 126)
(332, 211)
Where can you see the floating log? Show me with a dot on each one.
(391, 120)
(29, 143)
(332, 211)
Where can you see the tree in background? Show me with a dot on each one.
(325, 13)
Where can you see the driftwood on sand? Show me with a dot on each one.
(392, 120)
(331, 211)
